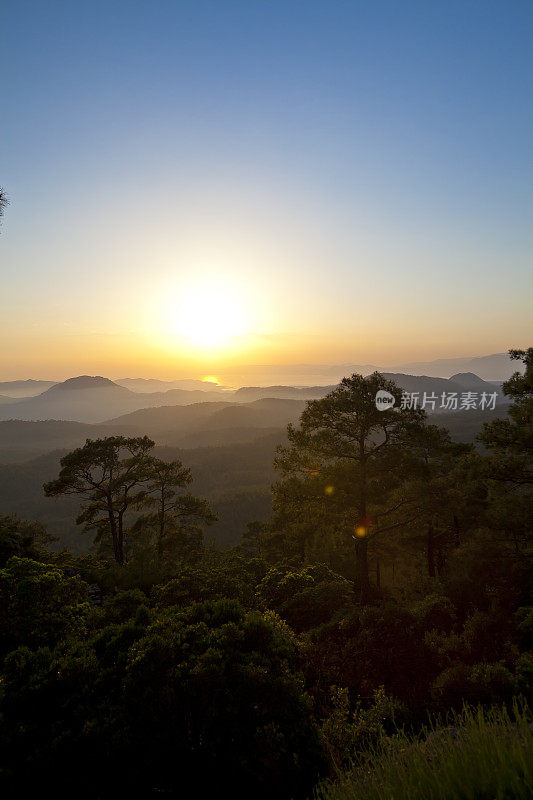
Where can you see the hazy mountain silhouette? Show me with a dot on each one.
(96, 399)
(410, 383)
(146, 385)
(236, 473)
(184, 396)
(81, 382)
(93, 399)
(21, 440)
(195, 425)
(496, 367)
(29, 388)
(249, 393)
(466, 382)
(174, 422)
(85, 399)
(470, 380)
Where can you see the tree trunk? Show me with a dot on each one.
(456, 531)
(119, 552)
(114, 531)
(362, 581)
(430, 549)
(440, 561)
(161, 532)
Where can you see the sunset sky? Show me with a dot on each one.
(196, 186)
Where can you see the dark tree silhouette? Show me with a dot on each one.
(173, 514)
(346, 428)
(107, 474)
(3, 202)
(509, 465)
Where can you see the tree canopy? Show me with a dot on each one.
(349, 462)
(118, 475)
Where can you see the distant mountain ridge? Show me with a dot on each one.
(247, 394)
(173, 420)
(458, 384)
(409, 383)
(147, 385)
(89, 398)
(495, 367)
(95, 399)
(469, 379)
(82, 382)
(29, 388)
(193, 425)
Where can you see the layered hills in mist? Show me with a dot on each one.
(94, 399)
(227, 436)
(67, 413)
(97, 399)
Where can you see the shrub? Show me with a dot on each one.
(479, 755)
(39, 604)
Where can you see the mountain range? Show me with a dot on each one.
(96, 399)
(459, 383)
(145, 385)
(93, 399)
(10, 390)
(227, 437)
(495, 367)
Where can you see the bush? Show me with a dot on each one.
(373, 646)
(210, 692)
(476, 683)
(435, 612)
(39, 604)
(349, 731)
(123, 605)
(477, 756)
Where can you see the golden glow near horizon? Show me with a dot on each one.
(193, 319)
(264, 239)
(211, 379)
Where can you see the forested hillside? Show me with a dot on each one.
(231, 465)
(236, 478)
(388, 585)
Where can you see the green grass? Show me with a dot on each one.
(480, 755)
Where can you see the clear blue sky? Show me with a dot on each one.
(358, 174)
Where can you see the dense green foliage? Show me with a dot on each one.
(477, 755)
(117, 475)
(235, 477)
(264, 670)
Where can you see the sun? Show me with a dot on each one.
(208, 316)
